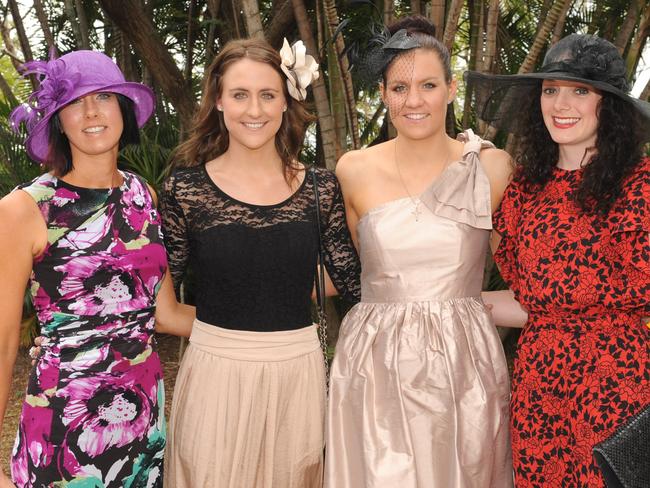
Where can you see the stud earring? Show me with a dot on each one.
(219, 108)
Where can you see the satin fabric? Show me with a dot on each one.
(419, 384)
(248, 410)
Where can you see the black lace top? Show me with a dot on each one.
(255, 264)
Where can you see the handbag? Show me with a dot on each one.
(320, 282)
(624, 457)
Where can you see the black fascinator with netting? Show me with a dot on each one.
(380, 51)
(498, 99)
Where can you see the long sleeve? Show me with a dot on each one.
(175, 230)
(341, 258)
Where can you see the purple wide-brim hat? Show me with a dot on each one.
(67, 78)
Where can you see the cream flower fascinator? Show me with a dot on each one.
(301, 68)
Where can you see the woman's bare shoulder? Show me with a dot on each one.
(360, 164)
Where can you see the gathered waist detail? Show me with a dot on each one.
(246, 345)
(423, 299)
(68, 335)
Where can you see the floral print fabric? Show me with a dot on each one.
(93, 414)
(582, 365)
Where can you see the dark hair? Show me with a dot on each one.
(59, 156)
(209, 137)
(421, 29)
(619, 145)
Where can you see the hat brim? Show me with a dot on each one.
(494, 89)
(144, 103)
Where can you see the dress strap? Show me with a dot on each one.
(462, 193)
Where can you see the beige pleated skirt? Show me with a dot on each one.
(248, 411)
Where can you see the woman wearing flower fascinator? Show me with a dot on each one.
(87, 238)
(249, 400)
(419, 385)
(575, 250)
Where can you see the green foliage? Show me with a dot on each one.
(15, 166)
(150, 158)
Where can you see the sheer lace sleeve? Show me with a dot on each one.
(341, 258)
(175, 230)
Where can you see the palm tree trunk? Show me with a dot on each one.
(9, 47)
(488, 62)
(20, 30)
(389, 5)
(558, 8)
(72, 18)
(189, 51)
(83, 24)
(558, 30)
(213, 9)
(491, 30)
(344, 69)
(437, 17)
(130, 18)
(42, 20)
(235, 18)
(638, 42)
(22, 38)
(281, 20)
(252, 18)
(475, 61)
(451, 24)
(625, 33)
(325, 119)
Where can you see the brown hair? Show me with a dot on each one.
(208, 136)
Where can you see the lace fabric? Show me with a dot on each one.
(255, 264)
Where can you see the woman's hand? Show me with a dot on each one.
(172, 317)
(506, 311)
(330, 289)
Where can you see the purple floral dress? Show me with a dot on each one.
(93, 415)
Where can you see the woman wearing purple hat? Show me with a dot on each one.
(86, 237)
(574, 248)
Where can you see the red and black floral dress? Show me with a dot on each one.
(582, 365)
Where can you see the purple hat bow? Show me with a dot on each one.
(56, 84)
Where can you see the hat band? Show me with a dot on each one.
(587, 73)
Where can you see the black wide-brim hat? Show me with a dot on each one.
(500, 99)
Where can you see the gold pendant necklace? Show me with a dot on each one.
(415, 201)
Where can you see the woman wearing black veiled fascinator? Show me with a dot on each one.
(574, 248)
(419, 384)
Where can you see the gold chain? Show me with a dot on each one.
(416, 201)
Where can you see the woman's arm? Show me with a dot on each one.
(341, 258)
(22, 236)
(498, 167)
(172, 317)
(506, 311)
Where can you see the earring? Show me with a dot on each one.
(219, 108)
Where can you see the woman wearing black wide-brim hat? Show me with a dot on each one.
(575, 250)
